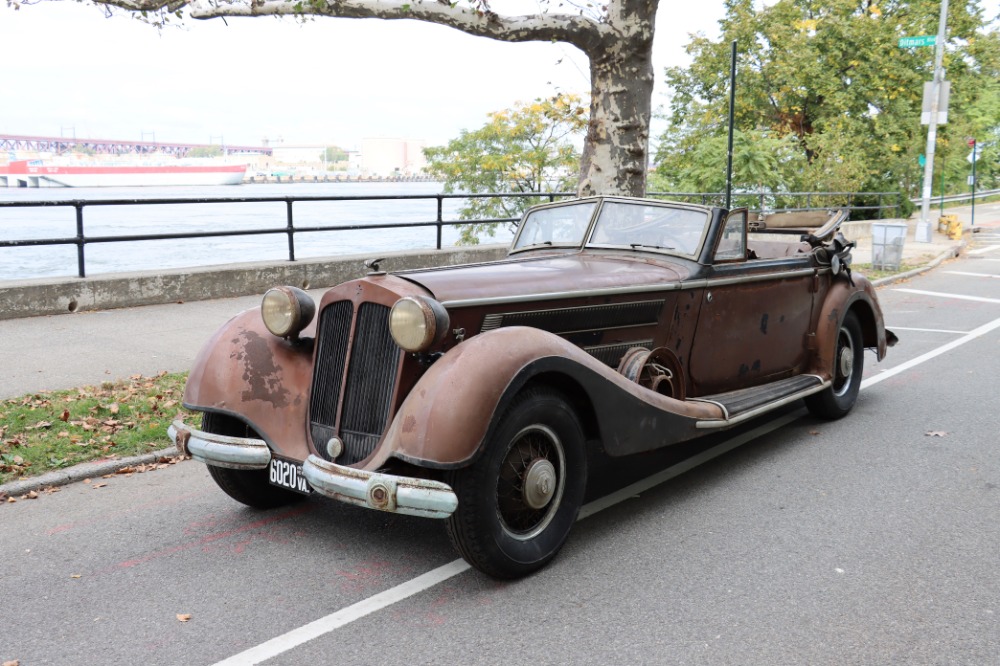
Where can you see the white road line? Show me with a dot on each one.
(960, 297)
(344, 616)
(984, 250)
(923, 358)
(325, 625)
(985, 275)
(925, 330)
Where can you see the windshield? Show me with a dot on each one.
(648, 226)
(558, 225)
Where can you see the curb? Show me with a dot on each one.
(82, 471)
(950, 253)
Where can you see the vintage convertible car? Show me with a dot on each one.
(471, 393)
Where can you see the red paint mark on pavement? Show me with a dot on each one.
(214, 537)
(105, 517)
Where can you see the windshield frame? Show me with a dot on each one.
(652, 203)
(594, 202)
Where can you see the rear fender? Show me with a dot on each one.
(840, 299)
(249, 373)
(451, 411)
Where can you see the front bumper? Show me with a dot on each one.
(220, 450)
(374, 490)
(384, 492)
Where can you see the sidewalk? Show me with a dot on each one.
(86, 348)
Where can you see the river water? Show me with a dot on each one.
(18, 263)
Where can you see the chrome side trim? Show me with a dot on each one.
(763, 409)
(764, 277)
(383, 492)
(555, 295)
(642, 289)
(220, 450)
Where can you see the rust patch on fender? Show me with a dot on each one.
(262, 376)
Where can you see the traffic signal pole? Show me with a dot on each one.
(923, 234)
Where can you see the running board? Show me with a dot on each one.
(745, 404)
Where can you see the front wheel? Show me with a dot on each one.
(518, 501)
(837, 399)
(247, 486)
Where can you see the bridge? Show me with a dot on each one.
(13, 143)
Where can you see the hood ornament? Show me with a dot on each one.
(372, 266)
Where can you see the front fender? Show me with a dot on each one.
(247, 372)
(448, 415)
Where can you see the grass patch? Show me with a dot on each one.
(45, 431)
(879, 273)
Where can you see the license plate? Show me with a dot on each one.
(287, 474)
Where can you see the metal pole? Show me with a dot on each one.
(973, 184)
(732, 116)
(923, 234)
(81, 263)
(290, 230)
(942, 185)
(440, 219)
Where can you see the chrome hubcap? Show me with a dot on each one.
(539, 483)
(846, 361)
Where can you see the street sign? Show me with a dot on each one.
(922, 160)
(918, 40)
(944, 95)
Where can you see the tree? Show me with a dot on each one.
(617, 39)
(333, 154)
(524, 149)
(828, 80)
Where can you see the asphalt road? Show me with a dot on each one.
(870, 540)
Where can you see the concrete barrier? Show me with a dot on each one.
(29, 298)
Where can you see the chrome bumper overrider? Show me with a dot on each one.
(385, 492)
(220, 450)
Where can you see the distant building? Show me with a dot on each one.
(392, 157)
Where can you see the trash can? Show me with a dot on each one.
(887, 245)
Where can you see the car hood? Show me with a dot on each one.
(539, 276)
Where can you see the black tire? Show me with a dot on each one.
(247, 486)
(503, 527)
(837, 400)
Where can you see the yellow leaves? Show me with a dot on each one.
(895, 148)
(806, 25)
(875, 11)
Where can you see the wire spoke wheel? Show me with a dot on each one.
(519, 499)
(531, 482)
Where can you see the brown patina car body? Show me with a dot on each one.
(471, 393)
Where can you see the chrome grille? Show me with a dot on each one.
(328, 375)
(371, 378)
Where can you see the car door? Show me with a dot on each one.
(755, 316)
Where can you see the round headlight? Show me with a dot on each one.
(417, 322)
(286, 311)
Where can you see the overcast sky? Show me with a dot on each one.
(67, 70)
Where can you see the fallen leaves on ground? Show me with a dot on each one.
(184, 617)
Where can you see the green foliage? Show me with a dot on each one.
(205, 151)
(334, 154)
(826, 100)
(524, 149)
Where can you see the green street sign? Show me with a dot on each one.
(919, 40)
(922, 160)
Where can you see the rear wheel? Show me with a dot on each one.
(519, 500)
(247, 486)
(848, 364)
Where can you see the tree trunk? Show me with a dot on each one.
(616, 150)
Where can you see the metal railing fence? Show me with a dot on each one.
(761, 202)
